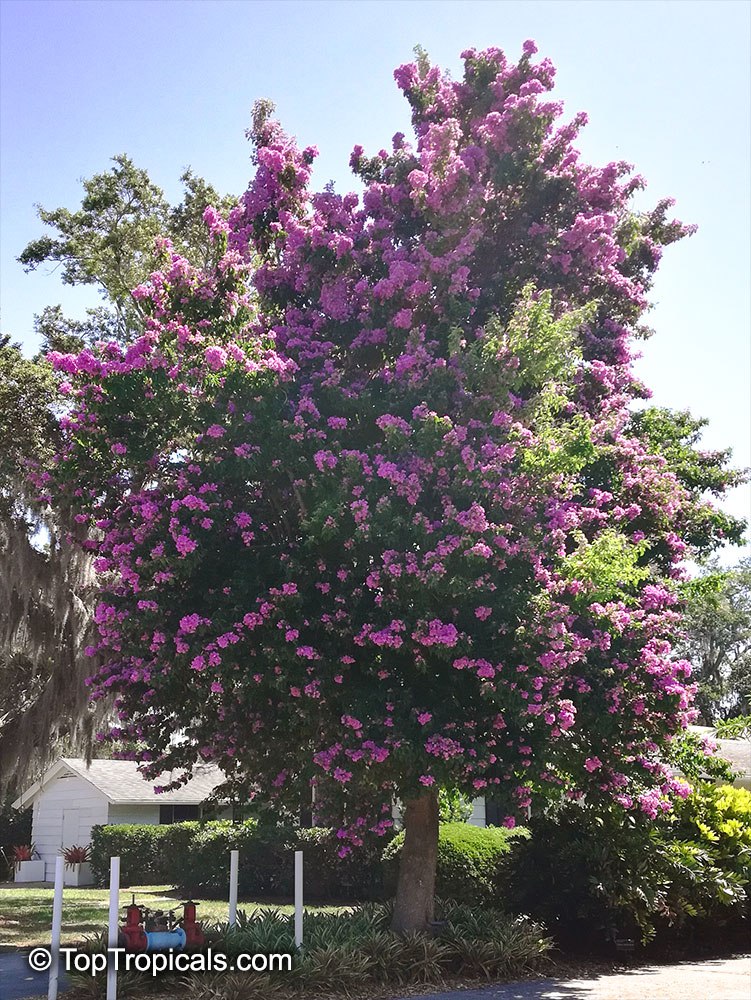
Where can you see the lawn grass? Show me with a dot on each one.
(26, 912)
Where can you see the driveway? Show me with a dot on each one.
(17, 980)
(727, 979)
(724, 979)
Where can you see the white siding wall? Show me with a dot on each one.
(148, 814)
(477, 817)
(478, 812)
(133, 814)
(73, 805)
(67, 794)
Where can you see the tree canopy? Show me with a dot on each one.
(47, 583)
(370, 506)
(109, 241)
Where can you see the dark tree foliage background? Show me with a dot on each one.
(718, 640)
(46, 585)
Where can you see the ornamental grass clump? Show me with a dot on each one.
(492, 944)
(352, 949)
(349, 953)
(370, 506)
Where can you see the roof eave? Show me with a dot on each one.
(86, 775)
(25, 798)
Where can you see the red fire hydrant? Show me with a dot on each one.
(132, 930)
(194, 937)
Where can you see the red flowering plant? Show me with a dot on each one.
(370, 507)
(76, 854)
(23, 852)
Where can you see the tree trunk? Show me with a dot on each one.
(415, 892)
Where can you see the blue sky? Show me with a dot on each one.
(666, 86)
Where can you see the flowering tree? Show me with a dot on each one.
(369, 507)
(46, 583)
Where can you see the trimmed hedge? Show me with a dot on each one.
(471, 861)
(195, 857)
(588, 875)
(139, 847)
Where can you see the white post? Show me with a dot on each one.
(234, 866)
(113, 928)
(57, 921)
(298, 899)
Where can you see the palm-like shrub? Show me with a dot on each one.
(342, 950)
(76, 854)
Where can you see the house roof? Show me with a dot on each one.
(737, 752)
(738, 755)
(122, 784)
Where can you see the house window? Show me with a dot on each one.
(178, 814)
(494, 815)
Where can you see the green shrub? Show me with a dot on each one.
(267, 865)
(196, 857)
(206, 861)
(358, 876)
(176, 842)
(472, 861)
(15, 828)
(141, 850)
(715, 824)
(721, 816)
(594, 875)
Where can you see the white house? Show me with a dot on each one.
(70, 798)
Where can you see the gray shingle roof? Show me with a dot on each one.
(738, 754)
(122, 783)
